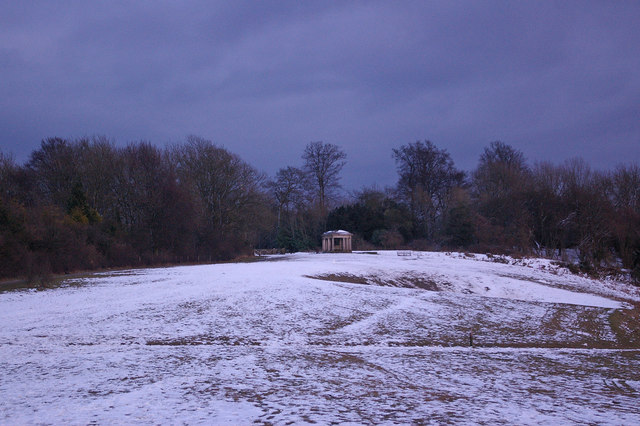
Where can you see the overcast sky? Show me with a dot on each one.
(263, 78)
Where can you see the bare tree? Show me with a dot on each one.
(228, 189)
(8, 169)
(501, 170)
(500, 185)
(97, 164)
(625, 197)
(141, 176)
(626, 187)
(546, 208)
(427, 175)
(54, 170)
(590, 211)
(288, 189)
(323, 163)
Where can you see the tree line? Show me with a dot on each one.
(88, 203)
(504, 206)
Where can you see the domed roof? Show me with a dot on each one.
(337, 232)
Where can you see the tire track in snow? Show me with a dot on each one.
(375, 317)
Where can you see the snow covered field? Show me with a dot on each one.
(323, 338)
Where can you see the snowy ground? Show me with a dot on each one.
(321, 338)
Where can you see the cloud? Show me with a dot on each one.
(555, 80)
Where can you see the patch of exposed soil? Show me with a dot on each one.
(222, 340)
(626, 325)
(405, 281)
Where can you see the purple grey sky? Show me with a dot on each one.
(555, 79)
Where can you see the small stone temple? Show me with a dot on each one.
(336, 242)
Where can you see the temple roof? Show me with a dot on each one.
(336, 232)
